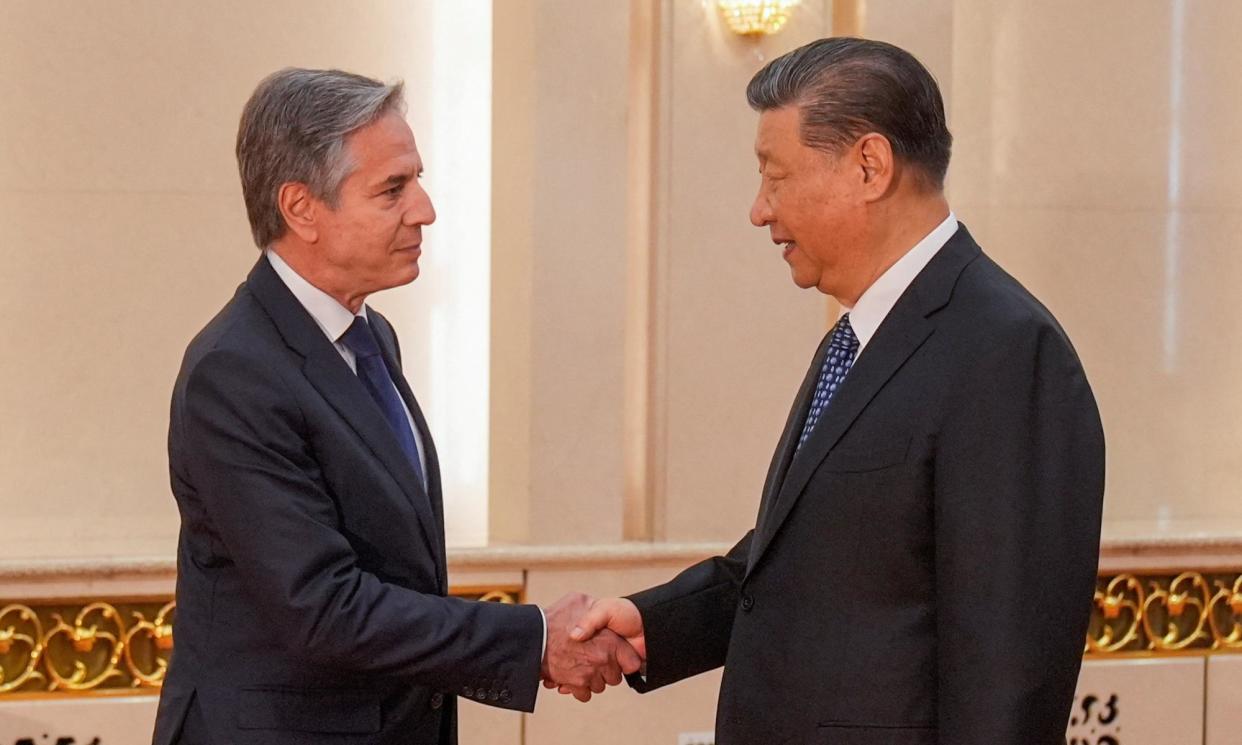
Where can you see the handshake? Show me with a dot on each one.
(591, 644)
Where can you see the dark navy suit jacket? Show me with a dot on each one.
(921, 572)
(311, 576)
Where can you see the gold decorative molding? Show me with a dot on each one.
(1166, 614)
(21, 639)
(79, 646)
(1225, 615)
(65, 648)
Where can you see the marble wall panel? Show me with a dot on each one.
(1223, 719)
(108, 720)
(1156, 701)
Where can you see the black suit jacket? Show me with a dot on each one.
(921, 571)
(311, 574)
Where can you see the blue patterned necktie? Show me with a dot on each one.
(360, 340)
(842, 348)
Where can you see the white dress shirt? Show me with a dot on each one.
(878, 299)
(334, 320)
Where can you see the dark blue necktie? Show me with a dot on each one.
(842, 348)
(360, 339)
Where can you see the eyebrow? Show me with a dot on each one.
(398, 179)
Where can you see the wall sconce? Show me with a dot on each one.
(756, 17)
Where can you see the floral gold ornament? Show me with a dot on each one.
(21, 638)
(756, 17)
(147, 645)
(1144, 614)
(1225, 615)
(1175, 617)
(1117, 620)
(99, 651)
(97, 640)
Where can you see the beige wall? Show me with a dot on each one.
(558, 270)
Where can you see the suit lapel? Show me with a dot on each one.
(903, 331)
(434, 489)
(789, 439)
(341, 388)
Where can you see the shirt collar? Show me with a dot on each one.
(878, 299)
(332, 318)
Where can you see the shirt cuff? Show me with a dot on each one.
(544, 649)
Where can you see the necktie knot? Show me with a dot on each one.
(360, 339)
(843, 335)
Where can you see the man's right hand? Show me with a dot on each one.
(584, 664)
(617, 615)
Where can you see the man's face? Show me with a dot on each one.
(374, 234)
(810, 201)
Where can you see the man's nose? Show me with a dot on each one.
(422, 211)
(760, 211)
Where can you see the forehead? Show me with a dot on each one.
(384, 145)
(779, 130)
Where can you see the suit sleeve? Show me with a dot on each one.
(687, 621)
(255, 476)
(1019, 481)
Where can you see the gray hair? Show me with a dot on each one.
(846, 87)
(293, 128)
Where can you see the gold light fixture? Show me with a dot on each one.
(756, 17)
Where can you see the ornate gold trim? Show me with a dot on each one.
(1166, 614)
(26, 634)
(1225, 615)
(57, 648)
(108, 647)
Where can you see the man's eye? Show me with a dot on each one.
(394, 191)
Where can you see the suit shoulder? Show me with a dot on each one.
(996, 308)
(241, 331)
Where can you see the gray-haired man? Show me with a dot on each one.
(923, 561)
(312, 582)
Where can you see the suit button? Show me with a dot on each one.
(480, 694)
(494, 695)
(437, 700)
(505, 697)
(748, 602)
(468, 692)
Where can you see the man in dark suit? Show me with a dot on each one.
(311, 588)
(922, 565)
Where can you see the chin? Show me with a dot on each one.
(408, 272)
(398, 279)
(804, 282)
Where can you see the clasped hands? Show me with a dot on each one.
(591, 644)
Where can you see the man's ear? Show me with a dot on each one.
(299, 208)
(875, 157)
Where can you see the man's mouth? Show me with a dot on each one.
(787, 248)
